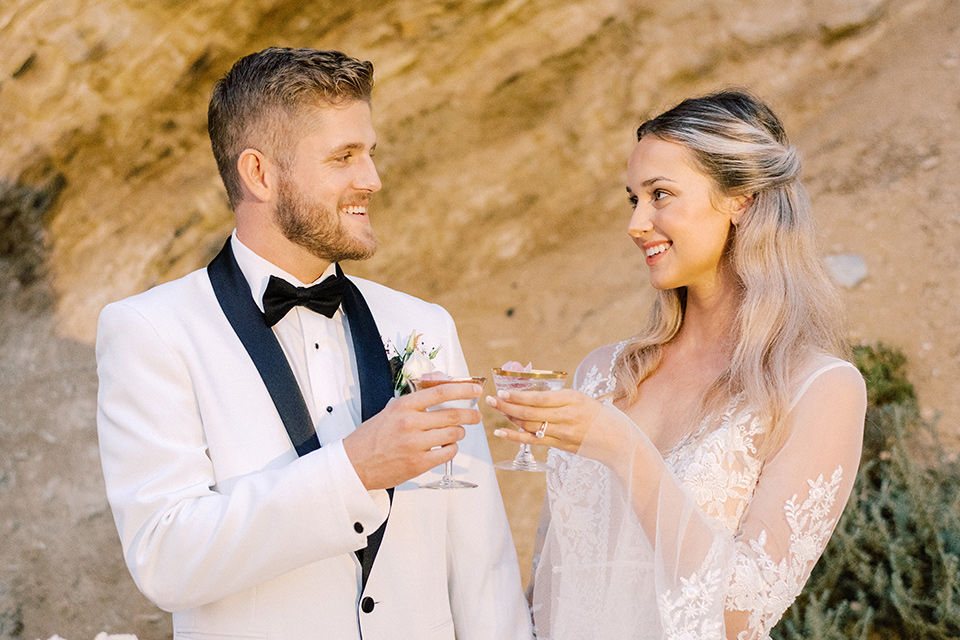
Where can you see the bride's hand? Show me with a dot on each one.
(562, 416)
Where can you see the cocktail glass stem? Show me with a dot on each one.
(447, 481)
(525, 455)
(533, 380)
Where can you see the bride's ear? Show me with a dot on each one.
(740, 206)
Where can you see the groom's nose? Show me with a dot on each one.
(367, 177)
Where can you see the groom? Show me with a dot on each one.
(263, 481)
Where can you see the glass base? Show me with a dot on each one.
(448, 483)
(515, 465)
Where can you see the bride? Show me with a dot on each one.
(700, 467)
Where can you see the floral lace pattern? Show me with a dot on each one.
(696, 594)
(721, 470)
(752, 590)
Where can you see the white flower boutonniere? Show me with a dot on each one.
(413, 362)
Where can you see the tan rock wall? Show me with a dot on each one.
(504, 128)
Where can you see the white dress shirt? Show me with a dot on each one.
(320, 353)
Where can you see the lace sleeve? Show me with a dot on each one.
(723, 570)
(594, 374)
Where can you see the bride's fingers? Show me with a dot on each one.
(543, 399)
(527, 412)
(523, 425)
(515, 411)
(525, 417)
(525, 437)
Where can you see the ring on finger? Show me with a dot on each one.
(542, 431)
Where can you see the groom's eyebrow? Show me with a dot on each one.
(353, 146)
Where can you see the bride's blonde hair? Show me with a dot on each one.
(788, 307)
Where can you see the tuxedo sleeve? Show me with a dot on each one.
(186, 541)
(486, 596)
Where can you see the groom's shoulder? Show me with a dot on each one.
(184, 296)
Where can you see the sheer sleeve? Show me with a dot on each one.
(732, 539)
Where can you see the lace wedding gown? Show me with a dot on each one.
(706, 541)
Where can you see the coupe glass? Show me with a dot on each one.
(536, 380)
(447, 481)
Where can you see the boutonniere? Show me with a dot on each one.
(413, 362)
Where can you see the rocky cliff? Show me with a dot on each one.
(504, 127)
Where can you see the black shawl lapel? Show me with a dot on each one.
(376, 387)
(233, 294)
(373, 368)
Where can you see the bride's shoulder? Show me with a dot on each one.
(603, 357)
(834, 372)
(595, 372)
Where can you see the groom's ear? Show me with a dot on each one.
(257, 175)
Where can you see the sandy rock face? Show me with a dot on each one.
(504, 128)
(513, 116)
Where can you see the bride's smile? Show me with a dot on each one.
(679, 221)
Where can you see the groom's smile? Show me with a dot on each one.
(324, 191)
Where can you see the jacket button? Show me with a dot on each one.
(367, 604)
(358, 527)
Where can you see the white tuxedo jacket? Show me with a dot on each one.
(222, 524)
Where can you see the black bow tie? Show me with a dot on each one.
(281, 296)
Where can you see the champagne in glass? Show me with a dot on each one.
(447, 481)
(534, 380)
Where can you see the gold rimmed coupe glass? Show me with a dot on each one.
(447, 481)
(535, 380)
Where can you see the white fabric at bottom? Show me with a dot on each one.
(706, 541)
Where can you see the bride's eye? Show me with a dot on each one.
(659, 194)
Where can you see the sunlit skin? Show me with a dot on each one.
(676, 209)
(327, 187)
(328, 184)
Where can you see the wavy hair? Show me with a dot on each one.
(788, 307)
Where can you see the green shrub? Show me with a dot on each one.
(892, 568)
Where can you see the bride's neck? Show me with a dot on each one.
(708, 321)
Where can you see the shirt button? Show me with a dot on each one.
(316, 345)
(358, 527)
(329, 409)
(367, 604)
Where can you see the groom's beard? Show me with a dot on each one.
(318, 228)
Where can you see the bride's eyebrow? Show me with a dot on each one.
(650, 181)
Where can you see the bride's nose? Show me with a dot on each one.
(640, 222)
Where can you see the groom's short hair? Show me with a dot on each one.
(259, 102)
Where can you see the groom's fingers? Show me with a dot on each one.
(426, 398)
(446, 417)
(401, 442)
(440, 437)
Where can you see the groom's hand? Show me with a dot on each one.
(405, 440)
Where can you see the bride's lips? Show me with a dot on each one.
(655, 250)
